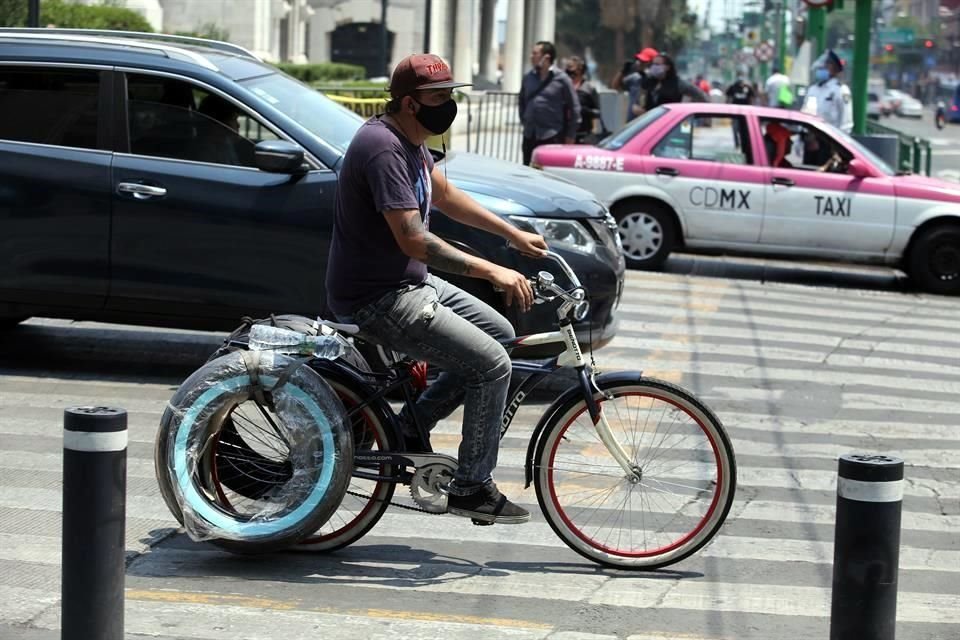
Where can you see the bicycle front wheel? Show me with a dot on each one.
(674, 502)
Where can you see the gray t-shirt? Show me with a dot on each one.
(381, 171)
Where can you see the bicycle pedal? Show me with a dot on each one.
(480, 523)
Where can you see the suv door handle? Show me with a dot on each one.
(666, 171)
(141, 191)
(783, 182)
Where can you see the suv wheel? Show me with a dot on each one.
(647, 232)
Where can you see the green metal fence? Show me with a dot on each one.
(915, 153)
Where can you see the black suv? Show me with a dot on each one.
(182, 182)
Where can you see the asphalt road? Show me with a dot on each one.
(802, 363)
(945, 143)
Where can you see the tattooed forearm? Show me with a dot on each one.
(412, 227)
(442, 256)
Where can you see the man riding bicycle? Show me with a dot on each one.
(377, 275)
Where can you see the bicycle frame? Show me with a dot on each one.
(573, 305)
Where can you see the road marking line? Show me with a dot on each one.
(221, 599)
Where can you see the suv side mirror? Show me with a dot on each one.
(279, 156)
(859, 169)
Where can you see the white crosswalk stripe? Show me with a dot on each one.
(798, 375)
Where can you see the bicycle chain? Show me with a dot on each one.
(392, 504)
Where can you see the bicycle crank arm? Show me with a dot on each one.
(367, 458)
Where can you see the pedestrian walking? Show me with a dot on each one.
(829, 96)
(741, 91)
(549, 109)
(663, 85)
(630, 79)
(777, 89)
(589, 100)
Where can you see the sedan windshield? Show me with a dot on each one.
(616, 140)
(323, 117)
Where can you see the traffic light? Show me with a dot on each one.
(928, 44)
(888, 48)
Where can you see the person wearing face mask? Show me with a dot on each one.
(377, 276)
(664, 86)
(828, 97)
(549, 108)
(588, 97)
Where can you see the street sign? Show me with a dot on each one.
(764, 52)
(898, 35)
(752, 36)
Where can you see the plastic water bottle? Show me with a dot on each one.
(266, 338)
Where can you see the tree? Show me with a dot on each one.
(615, 29)
(620, 17)
(208, 30)
(13, 13)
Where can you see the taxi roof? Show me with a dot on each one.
(724, 108)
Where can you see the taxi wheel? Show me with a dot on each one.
(934, 261)
(647, 232)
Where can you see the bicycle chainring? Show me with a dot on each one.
(429, 485)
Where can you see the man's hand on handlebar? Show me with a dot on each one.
(531, 245)
(514, 286)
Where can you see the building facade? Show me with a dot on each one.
(465, 32)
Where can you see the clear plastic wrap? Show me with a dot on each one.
(254, 450)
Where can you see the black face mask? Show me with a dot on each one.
(437, 119)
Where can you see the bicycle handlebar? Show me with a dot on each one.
(573, 300)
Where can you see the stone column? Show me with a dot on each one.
(514, 53)
(463, 42)
(488, 41)
(529, 25)
(440, 10)
(546, 21)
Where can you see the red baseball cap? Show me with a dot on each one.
(421, 71)
(647, 54)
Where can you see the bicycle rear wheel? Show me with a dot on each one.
(686, 484)
(366, 500)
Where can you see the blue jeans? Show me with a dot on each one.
(450, 329)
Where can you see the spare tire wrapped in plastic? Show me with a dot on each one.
(253, 452)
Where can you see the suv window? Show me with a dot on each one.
(49, 106)
(175, 119)
(711, 138)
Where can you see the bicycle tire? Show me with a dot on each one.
(366, 500)
(300, 424)
(691, 503)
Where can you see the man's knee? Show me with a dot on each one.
(500, 365)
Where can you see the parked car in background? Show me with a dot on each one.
(754, 180)
(874, 106)
(910, 107)
(951, 103)
(179, 182)
(893, 98)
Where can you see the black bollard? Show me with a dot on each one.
(94, 522)
(866, 548)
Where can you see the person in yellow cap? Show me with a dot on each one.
(829, 97)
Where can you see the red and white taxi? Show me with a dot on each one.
(755, 180)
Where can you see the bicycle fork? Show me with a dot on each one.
(600, 423)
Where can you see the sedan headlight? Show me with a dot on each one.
(563, 234)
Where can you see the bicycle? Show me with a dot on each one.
(629, 471)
